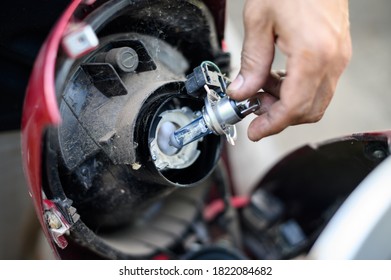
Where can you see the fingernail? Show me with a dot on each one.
(237, 83)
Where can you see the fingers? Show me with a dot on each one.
(269, 123)
(314, 36)
(303, 94)
(271, 92)
(257, 52)
(273, 83)
(266, 100)
(313, 69)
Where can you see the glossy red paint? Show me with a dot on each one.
(41, 109)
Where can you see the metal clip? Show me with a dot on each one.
(57, 224)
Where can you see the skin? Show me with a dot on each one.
(314, 35)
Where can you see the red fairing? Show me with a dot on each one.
(40, 105)
(41, 109)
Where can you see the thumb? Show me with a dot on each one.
(257, 52)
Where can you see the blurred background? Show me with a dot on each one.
(360, 104)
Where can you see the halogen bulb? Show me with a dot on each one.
(163, 138)
(189, 133)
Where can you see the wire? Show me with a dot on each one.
(210, 63)
(216, 207)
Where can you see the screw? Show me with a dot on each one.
(125, 59)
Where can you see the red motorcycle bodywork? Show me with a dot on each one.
(41, 109)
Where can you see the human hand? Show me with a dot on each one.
(314, 35)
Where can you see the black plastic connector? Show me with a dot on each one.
(202, 76)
